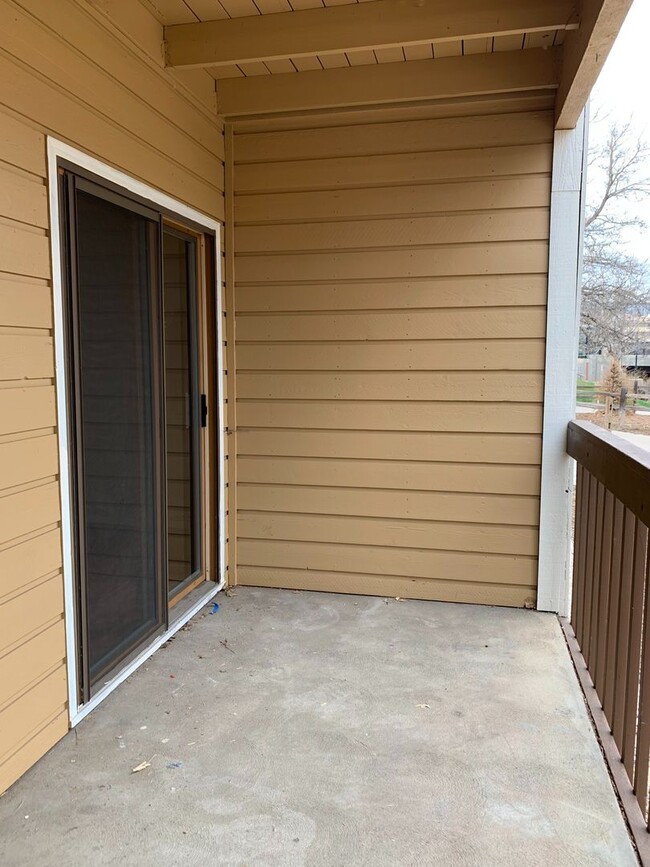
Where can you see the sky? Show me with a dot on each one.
(622, 94)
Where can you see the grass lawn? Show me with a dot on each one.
(586, 389)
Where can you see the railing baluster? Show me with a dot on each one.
(584, 542)
(596, 580)
(643, 737)
(624, 617)
(579, 548)
(614, 602)
(589, 568)
(604, 597)
(634, 657)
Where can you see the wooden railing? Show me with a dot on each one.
(610, 614)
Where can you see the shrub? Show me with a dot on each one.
(615, 378)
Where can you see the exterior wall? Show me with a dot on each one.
(69, 70)
(391, 280)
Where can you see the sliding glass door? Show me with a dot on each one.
(137, 415)
(182, 410)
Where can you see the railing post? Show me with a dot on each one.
(562, 317)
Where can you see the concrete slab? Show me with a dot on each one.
(314, 729)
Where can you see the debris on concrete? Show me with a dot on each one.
(140, 767)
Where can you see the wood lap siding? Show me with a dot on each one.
(68, 70)
(391, 315)
(32, 639)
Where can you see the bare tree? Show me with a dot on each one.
(616, 285)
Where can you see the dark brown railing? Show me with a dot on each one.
(609, 633)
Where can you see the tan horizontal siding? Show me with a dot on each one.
(23, 196)
(452, 133)
(373, 502)
(529, 102)
(391, 318)
(27, 355)
(24, 250)
(31, 706)
(452, 355)
(386, 170)
(72, 95)
(477, 592)
(314, 417)
(25, 302)
(411, 445)
(518, 386)
(30, 560)
(509, 258)
(30, 662)
(390, 533)
(449, 566)
(520, 224)
(435, 197)
(68, 70)
(27, 460)
(446, 324)
(399, 475)
(29, 612)
(27, 409)
(401, 294)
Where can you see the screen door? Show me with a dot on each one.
(114, 263)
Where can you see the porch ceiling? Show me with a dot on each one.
(243, 42)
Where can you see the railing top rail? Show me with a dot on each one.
(622, 467)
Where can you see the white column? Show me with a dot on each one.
(562, 322)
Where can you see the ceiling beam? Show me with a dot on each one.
(584, 53)
(473, 75)
(378, 24)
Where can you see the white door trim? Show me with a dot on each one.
(60, 150)
(562, 323)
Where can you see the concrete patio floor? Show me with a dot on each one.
(313, 729)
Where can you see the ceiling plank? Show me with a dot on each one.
(477, 74)
(377, 24)
(584, 53)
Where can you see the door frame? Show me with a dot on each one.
(197, 325)
(58, 151)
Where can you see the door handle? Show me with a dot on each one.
(204, 410)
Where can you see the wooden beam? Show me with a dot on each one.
(476, 74)
(584, 53)
(382, 23)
